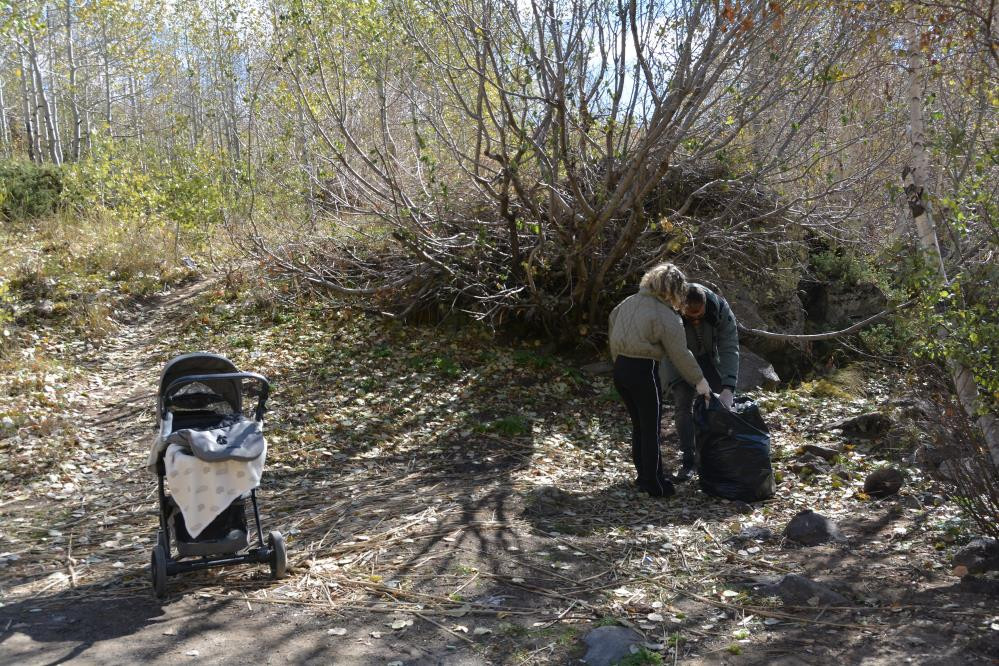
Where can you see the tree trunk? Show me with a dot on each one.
(88, 124)
(52, 131)
(916, 181)
(74, 107)
(133, 107)
(30, 128)
(4, 130)
(107, 76)
(50, 33)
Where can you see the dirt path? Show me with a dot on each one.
(109, 615)
(419, 536)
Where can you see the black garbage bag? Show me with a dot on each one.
(733, 450)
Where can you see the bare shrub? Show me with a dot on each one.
(968, 470)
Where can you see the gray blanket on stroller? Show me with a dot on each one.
(244, 440)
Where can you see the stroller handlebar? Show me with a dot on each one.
(180, 382)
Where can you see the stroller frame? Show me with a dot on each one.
(227, 553)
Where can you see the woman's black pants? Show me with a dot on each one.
(637, 381)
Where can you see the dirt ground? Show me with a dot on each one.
(469, 546)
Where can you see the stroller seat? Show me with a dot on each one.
(226, 534)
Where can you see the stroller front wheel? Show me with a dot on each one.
(158, 571)
(279, 558)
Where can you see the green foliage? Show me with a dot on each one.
(184, 193)
(884, 339)
(954, 323)
(532, 359)
(510, 426)
(958, 321)
(29, 191)
(841, 266)
(447, 367)
(644, 657)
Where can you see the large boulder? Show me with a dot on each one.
(776, 307)
(755, 372)
(836, 304)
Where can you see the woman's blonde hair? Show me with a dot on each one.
(667, 282)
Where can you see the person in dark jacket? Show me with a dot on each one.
(712, 336)
(644, 328)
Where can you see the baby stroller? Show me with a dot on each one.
(211, 455)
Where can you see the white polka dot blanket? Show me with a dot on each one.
(202, 489)
(203, 485)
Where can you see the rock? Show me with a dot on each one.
(823, 452)
(842, 472)
(795, 590)
(742, 507)
(769, 309)
(752, 533)
(883, 482)
(755, 372)
(956, 470)
(598, 368)
(809, 464)
(977, 585)
(609, 645)
(44, 308)
(979, 556)
(930, 499)
(845, 303)
(915, 408)
(928, 456)
(548, 501)
(810, 529)
(865, 426)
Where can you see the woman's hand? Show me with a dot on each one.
(704, 390)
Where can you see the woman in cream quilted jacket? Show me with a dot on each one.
(644, 328)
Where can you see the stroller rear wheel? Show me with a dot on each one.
(158, 571)
(279, 558)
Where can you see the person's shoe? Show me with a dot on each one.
(684, 474)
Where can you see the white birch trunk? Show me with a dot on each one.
(30, 127)
(74, 106)
(52, 131)
(4, 130)
(53, 84)
(916, 180)
(133, 106)
(107, 77)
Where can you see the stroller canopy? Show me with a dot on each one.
(203, 363)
